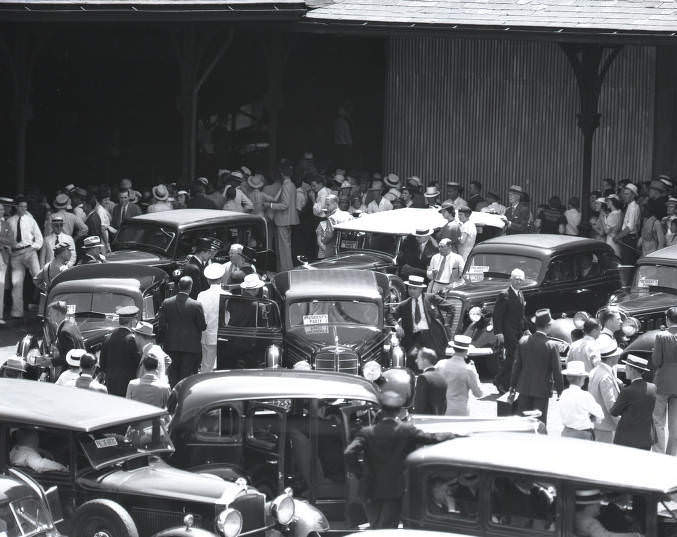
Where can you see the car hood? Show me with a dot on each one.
(466, 426)
(137, 256)
(633, 302)
(356, 260)
(160, 480)
(315, 337)
(488, 289)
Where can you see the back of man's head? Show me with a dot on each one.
(541, 323)
(185, 284)
(429, 355)
(87, 362)
(150, 363)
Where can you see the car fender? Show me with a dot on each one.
(225, 472)
(307, 519)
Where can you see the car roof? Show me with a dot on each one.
(265, 384)
(140, 276)
(407, 220)
(124, 286)
(543, 455)
(667, 256)
(12, 489)
(193, 217)
(538, 245)
(328, 283)
(61, 407)
(405, 532)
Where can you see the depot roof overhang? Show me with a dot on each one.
(150, 10)
(608, 21)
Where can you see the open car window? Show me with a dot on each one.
(523, 502)
(452, 493)
(248, 235)
(613, 510)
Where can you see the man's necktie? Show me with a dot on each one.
(417, 312)
(18, 230)
(443, 266)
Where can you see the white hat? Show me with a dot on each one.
(431, 192)
(632, 188)
(575, 368)
(391, 180)
(214, 271)
(73, 357)
(252, 281)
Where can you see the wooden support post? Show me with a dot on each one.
(591, 64)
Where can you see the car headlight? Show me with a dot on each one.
(580, 318)
(303, 364)
(475, 314)
(283, 509)
(32, 356)
(630, 326)
(177, 273)
(229, 522)
(371, 370)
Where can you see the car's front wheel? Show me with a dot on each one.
(103, 518)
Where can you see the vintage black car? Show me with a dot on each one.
(93, 293)
(331, 320)
(514, 486)
(165, 239)
(281, 427)
(115, 482)
(26, 509)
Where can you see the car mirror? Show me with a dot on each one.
(54, 502)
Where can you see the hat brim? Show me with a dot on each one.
(418, 285)
(577, 374)
(159, 197)
(60, 205)
(73, 363)
(515, 191)
(429, 195)
(426, 234)
(249, 286)
(628, 364)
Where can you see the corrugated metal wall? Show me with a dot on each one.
(504, 112)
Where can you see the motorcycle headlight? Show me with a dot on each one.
(303, 364)
(630, 326)
(580, 318)
(229, 522)
(371, 370)
(475, 314)
(283, 509)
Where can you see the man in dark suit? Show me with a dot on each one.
(421, 321)
(664, 361)
(517, 215)
(182, 321)
(536, 368)
(67, 336)
(509, 324)
(205, 250)
(120, 357)
(635, 406)
(416, 252)
(124, 210)
(430, 396)
(376, 456)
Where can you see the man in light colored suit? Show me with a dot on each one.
(603, 386)
(664, 360)
(285, 216)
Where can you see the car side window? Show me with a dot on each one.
(453, 493)
(219, 424)
(587, 266)
(521, 502)
(561, 269)
(264, 426)
(617, 511)
(607, 260)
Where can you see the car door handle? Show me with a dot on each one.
(579, 291)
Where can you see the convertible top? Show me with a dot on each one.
(406, 221)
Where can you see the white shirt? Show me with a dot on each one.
(68, 377)
(47, 252)
(210, 304)
(467, 240)
(30, 231)
(451, 271)
(575, 408)
(104, 215)
(383, 205)
(631, 218)
(320, 200)
(29, 458)
(423, 323)
(585, 350)
(573, 218)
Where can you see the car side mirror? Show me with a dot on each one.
(54, 502)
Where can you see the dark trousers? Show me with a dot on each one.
(529, 402)
(502, 380)
(629, 252)
(383, 514)
(184, 364)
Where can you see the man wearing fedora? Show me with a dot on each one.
(537, 368)
(517, 215)
(420, 318)
(664, 361)
(181, 323)
(205, 250)
(461, 377)
(578, 408)
(120, 355)
(635, 406)
(431, 196)
(416, 253)
(603, 386)
(210, 300)
(630, 227)
(430, 394)
(71, 224)
(92, 251)
(160, 200)
(378, 203)
(60, 262)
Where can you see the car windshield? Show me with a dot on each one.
(144, 236)
(655, 276)
(124, 442)
(322, 312)
(92, 312)
(27, 516)
(487, 266)
(360, 240)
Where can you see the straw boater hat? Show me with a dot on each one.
(671, 200)
(636, 362)
(252, 281)
(453, 184)
(214, 271)
(62, 201)
(431, 192)
(415, 281)
(422, 232)
(575, 368)
(73, 357)
(392, 181)
(238, 175)
(516, 188)
(460, 343)
(632, 188)
(144, 328)
(91, 242)
(160, 192)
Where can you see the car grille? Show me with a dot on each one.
(150, 521)
(453, 313)
(348, 362)
(252, 506)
